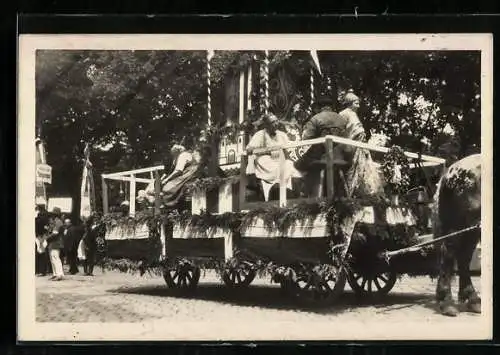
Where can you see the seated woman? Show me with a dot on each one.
(186, 169)
(266, 166)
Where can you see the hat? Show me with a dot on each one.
(263, 118)
(177, 148)
(56, 210)
(350, 97)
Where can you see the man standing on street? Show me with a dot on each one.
(55, 244)
(72, 236)
(42, 261)
(94, 229)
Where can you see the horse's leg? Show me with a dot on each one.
(443, 291)
(467, 294)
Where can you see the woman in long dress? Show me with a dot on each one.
(266, 166)
(186, 169)
(363, 177)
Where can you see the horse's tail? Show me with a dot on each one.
(435, 212)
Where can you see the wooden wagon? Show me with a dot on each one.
(309, 258)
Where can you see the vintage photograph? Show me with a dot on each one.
(255, 187)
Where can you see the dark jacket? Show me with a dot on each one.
(41, 223)
(322, 124)
(72, 236)
(92, 232)
(55, 239)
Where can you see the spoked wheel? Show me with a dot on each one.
(183, 277)
(238, 277)
(372, 284)
(313, 289)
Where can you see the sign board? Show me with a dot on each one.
(64, 203)
(44, 173)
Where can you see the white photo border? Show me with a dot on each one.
(448, 329)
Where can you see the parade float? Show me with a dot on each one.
(310, 246)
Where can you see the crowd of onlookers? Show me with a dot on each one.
(59, 241)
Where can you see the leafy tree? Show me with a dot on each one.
(132, 105)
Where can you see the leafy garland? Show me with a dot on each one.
(274, 218)
(396, 170)
(209, 183)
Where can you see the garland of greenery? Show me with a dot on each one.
(395, 185)
(274, 218)
(210, 183)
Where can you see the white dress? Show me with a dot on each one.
(266, 167)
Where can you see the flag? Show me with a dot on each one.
(87, 192)
(40, 192)
(314, 56)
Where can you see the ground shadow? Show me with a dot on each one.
(272, 297)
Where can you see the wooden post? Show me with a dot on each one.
(105, 205)
(157, 192)
(282, 179)
(163, 240)
(243, 179)
(228, 244)
(225, 198)
(132, 196)
(329, 168)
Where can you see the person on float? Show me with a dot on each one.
(354, 127)
(325, 122)
(266, 166)
(186, 169)
(362, 175)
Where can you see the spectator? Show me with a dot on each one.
(72, 236)
(42, 260)
(93, 228)
(55, 244)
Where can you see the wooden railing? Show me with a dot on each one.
(130, 177)
(328, 141)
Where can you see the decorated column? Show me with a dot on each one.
(266, 81)
(311, 75)
(264, 84)
(210, 54)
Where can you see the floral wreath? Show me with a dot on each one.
(396, 170)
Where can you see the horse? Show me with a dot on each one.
(458, 206)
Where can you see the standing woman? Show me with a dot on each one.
(354, 127)
(363, 177)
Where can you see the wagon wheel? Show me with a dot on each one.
(372, 284)
(238, 277)
(312, 289)
(184, 277)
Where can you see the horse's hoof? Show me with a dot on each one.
(448, 310)
(473, 306)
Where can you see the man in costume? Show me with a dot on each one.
(346, 124)
(266, 166)
(312, 162)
